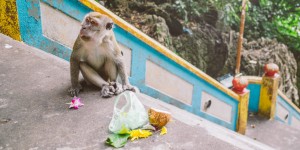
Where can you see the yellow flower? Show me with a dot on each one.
(138, 133)
(163, 131)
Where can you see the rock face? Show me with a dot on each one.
(202, 43)
(260, 52)
(265, 51)
(202, 49)
(159, 30)
(297, 57)
(200, 46)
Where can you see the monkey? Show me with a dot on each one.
(97, 56)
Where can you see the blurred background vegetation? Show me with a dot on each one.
(202, 30)
(278, 19)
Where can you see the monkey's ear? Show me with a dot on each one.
(109, 25)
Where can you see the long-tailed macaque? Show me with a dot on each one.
(97, 56)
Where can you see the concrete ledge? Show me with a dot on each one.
(39, 31)
(33, 113)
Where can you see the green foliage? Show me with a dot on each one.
(117, 140)
(278, 19)
(289, 31)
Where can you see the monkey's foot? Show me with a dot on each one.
(129, 88)
(74, 91)
(107, 91)
(118, 87)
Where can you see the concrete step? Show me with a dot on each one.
(34, 114)
(273, 133)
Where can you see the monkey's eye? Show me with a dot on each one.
(109, 25)
(94, 22)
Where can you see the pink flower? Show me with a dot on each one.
(75, 103)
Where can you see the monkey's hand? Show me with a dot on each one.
(75, 90)
(118, 87)
(107, 91)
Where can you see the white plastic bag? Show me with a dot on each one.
(132, 115)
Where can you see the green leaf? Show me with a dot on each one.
(117, 140)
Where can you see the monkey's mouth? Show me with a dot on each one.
(85, 37)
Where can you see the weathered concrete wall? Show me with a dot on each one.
(37, 118)
(287, 112)
(218, 108)
(295, 123)
(58, 26)
(282, 113)
(168, 83)
(53, 27)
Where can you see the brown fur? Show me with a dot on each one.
(97, 56)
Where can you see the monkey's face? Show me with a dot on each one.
(95, 24)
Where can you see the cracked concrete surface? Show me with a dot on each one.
(34, 114)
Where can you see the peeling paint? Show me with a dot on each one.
(9, 24)
(34, 11)
(268, 96)
(60, 2)
(243, 113)
(50, 2)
